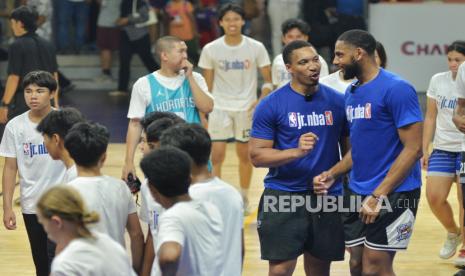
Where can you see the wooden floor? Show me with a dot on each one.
(420, 259)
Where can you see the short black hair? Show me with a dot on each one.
(291, 47)
(27, 16)
(168, 169)
(360, 39)
(60, 121)
(41, 79)
(458, 45)
(230, 7)
(86, 143)
(382, 54)
(154, 131)
(294, 23)
(191, 138)
(153, 116)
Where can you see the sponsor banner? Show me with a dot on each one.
(416, 36)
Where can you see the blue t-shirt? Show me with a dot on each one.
(179, 101)
(375, 111)
(283, 116)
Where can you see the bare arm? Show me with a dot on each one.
(459, 115)
(266, 75)
(429, 127)
(10, 170)
(149, 256)
(132, 139)
(12, 83)
(137, 241)
(168, 258)
(410, 136)
(203, 100)
(262, 153)
(57, 92)
(208, 75)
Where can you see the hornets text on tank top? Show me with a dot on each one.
(179, 101)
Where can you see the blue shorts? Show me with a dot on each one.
(444, 163)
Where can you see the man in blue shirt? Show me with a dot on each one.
(296, 133)
(385, 123)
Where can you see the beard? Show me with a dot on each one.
(351, 71)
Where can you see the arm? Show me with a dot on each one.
(203, 100)
(410, 137)
(459, 115)
(268, 85)
(10, 170)
(137, 241)
(168, 258)
(429, 128)
(262, 153)
(12, 83)
(208, 74)
(57, 96)
(149, 255)
(132, 139)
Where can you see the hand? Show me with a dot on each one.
(370, 210)
(9, 219)
(322, 183)
(122, 21)
(3, 115)
(128, 169)
(459, 122)
(307, 142)
(187, 67)
(425, 161)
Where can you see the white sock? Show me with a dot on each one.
(244, 192)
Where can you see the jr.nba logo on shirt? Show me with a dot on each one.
(314, 119)
(359, 112)
(236, 64)
(30, 149)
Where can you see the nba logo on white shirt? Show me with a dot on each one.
(26, 148)
(292, 119)
(368, 111)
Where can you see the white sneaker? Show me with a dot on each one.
(450, 245)
(118, 93)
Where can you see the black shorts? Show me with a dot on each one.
(391, 230)
(286, 235)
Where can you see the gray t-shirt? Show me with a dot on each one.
(109, 13)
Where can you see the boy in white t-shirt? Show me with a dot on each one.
(109, 197)
(189, 239)
(174, 88)
(195, 140)
(292, 29)
(230, 66)
(54, 128)
(25, 153)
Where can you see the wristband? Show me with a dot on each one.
(267, 85)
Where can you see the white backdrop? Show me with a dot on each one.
(415, 37)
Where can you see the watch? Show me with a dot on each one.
(3, 104)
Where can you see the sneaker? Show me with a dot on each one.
(460, 260)
(103, 78)
(118, 93)
(450, 246)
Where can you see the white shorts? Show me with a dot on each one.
(226, 125)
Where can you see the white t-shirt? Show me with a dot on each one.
(70, 174)
(37, 170)
(229, 202)
(150, 212)
(335, 81)
(141, 96)
(111, 199)
(441, 88)
(197, 226)
(460, 90)
(235, 71)
(101, 256)
(281, 76)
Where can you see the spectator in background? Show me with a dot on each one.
(380, 55)
(44, 9)
(71, 13)
(134, 39)
(206, 18)
(292, 30)
(182, 24)
(108, 36)
(279, 11)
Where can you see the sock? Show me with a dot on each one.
(106, 72)
(244, 192)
